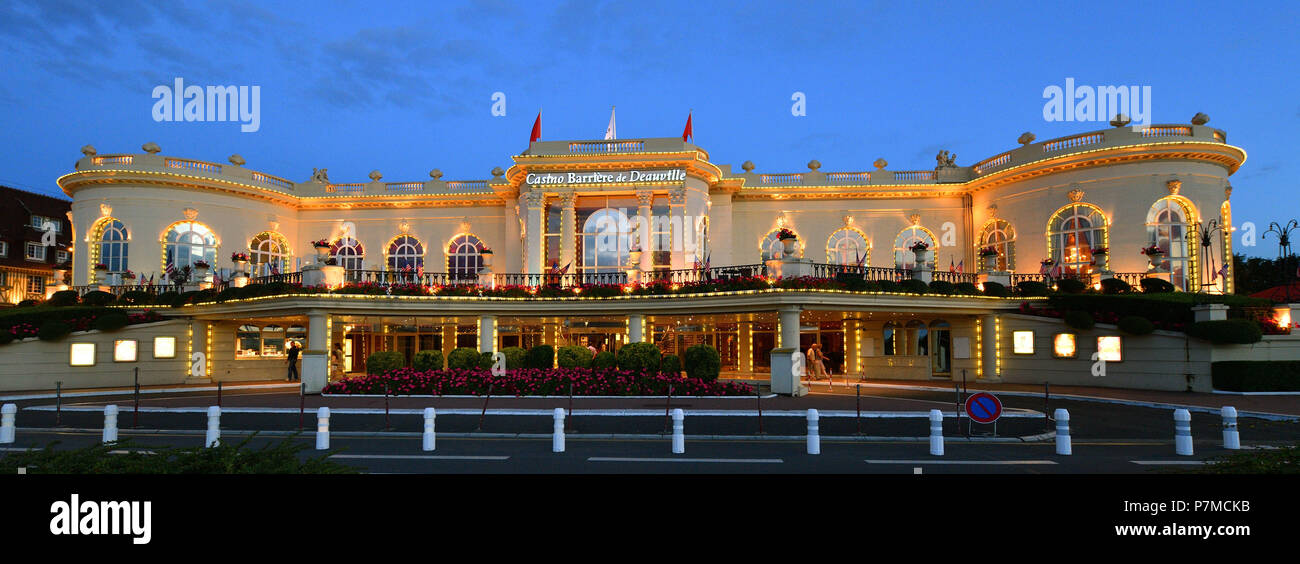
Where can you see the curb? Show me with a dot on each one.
(44, 395)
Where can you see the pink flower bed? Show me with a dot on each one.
(533, 382)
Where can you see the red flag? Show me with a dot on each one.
(537, 128)
(689, 132)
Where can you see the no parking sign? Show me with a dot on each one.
(983, 407)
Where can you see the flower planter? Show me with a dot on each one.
(241, 266)
(990, 262)
(922, 257)
(487, 259)
(790, 247)
(322, 253)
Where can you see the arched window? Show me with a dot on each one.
(349, 253)
(998, 234)
(405, 254)
(903, 256)
(918, 339)
(111, 240)
(1072, 233)
(605, 241)
(702, 240)
(772, 248)
(1168, 224)
(848, 246)
(268, 253)
(463, 257)
(186, 242)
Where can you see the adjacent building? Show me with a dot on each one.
(35, 238)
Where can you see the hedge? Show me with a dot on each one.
(1255, 376)
(1080, 320)
(463, 358)
(1031, 289)
(540, 356)
(1070, 286)
(136, 297)
(703, 362)
(486, 360)
(98, 298)
(516, 357)
(381, 362)
(914, 286)
(1227, 331)
(54, 330)
(111, 321)
(573, 356)
(604, 359)
(1134, 325)
(1115, 286)
(427, 360)
(995, 289)
(1156, 286)
(63, 298)
(888, 286)
(670, 364)
(941, 287)
(639, 357)
(966, 289)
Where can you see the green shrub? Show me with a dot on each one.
(855, 283)
(888, 286)
(1134, 325)
(427, 360)
(1282, 460)
(604, 359)
(541, 356)
(98, 298)
(1227, 331)
(913, 286)
(63, 298)
(516, 357)
(966, 289)
(1071, 286)
(1031, 289)
(486, 360)
(573, 356)
(670, 364)
(995, 289)
(463, 358)
(941, 287)
(287, 456)
(702, 362)
(28, 303)
(381, 362)
(111, 321)
(1080, 320)
(1156, 286)
(53, 330)
(639, 357)
(1115, 286)
(1256, 376)
(135, 297)
(6, 336)
(168, 298)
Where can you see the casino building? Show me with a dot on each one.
(659, 209)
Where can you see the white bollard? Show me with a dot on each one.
(1231, 438)
(7, 414)
(679, 439)
(429, 416)
(936, 432)
(110, 423)
(323, 428)
(814, 438)
(557, 437)
(1182, 432)
(1063, 446)
(213, 437)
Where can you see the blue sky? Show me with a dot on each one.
(406, 88)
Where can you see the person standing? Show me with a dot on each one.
(293, 360)
(813, 356)
(336, 361)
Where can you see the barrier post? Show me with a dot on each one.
(58, 402)
(486, 399)
(1182, 432)
(218, 394)
(323, 428)
(110, 423)
(135, 414)
(1231, 438)
(7, 414)
(679, 439)
(213, 437)
(557, 438)
(936, 432)
(859, 408)
(1063, 445)
(430, 417)
(814, 437)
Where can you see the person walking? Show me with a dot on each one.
(813, 356)
(294, 350)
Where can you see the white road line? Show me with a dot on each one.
(724, 460)
(985, 462)
(418, 457)
(1168, 462)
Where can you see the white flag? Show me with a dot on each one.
(611, 132)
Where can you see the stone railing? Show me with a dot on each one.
(612, 146)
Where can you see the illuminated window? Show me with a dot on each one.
(1064, 346)
(164, 347)
(124, 350)
(82, 354)
(349, 253)
(773, 248)
(1167, 227)
(848, 246)
(999, 235)
(112, 241)
(187, 242)
(1022, 342)
(605, 241)
(903, 256)
(1072, 233)
(1110, 349)
(463, 256)
(889, 339)
(405, 254)
(268, 253)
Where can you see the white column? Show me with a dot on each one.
(535, 231)
(635, 328)
(645, 199)
(568, 231)
(788, 327)
(487, 333)
(677, 216)
(784, 378)
(315, 358)
(989, 341)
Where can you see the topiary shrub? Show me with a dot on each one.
(639, 357)
(888, 286)
(1031, 289)
(1071, 286)
(1156, 286)
(573, 356)
(541, 356)
(966, 289)
(98, 298)
(427, 360)
(486, 360)
(670, 364)
(516, 357)
(463, 358)
(1226, 331)
(702, 362)
(28, 303)
(168, 298)
(1080, 320)
(604, 360)
(54, 330)
(913, 286)
(135, 297)
(111, 321)
(995, 289)
(1115, 286)
(1134, 325)
(941, 287)
(381, 362)
(63, 298)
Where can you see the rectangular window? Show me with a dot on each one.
(39, 221)
(4, 278)
(4, 248)
(1022, 342)
(1064, 345)
(248, 341)
(61, 256)
(1110, 348)
(82, 354)
(35, 251)
(124, 350)
(164, 347)
(35, 284)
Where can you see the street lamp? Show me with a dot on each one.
(1207, 251)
